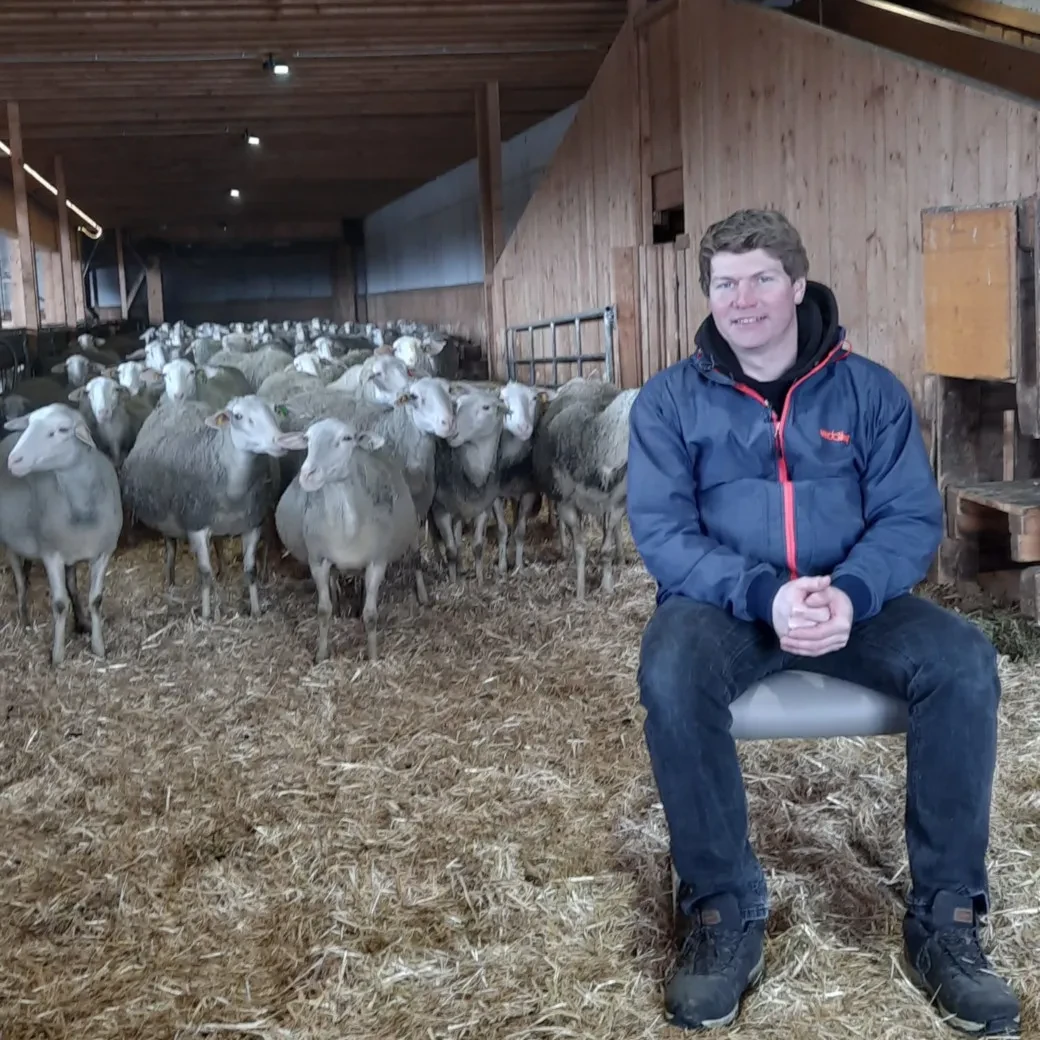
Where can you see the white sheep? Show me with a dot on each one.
(347, 508)
(113, 416)
(60, 504)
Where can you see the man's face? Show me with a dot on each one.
(753, 300)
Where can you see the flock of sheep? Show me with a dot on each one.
(342, 445)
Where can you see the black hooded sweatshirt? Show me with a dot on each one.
(818, 334)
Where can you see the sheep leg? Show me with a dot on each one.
(73, 591)
(170, 562)
(503, 535)
(320, 573)
(55, 567)
(199, 542)
(420, 581)
(21, 586)
(456, 529)
(443, 523)
(524, 510)
(250, 541)
(98, 566)
(611, 540)
(570, 519)
(479, 531)
(374, 573)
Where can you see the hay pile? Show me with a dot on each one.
(210, 836)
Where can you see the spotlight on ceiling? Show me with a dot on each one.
(234, 193)
(279, 68)
(253, 140)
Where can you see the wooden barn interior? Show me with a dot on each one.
(532, 176)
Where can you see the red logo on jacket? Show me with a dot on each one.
(837, 436)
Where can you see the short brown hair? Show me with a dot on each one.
(750, 229)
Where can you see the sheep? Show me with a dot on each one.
(465, 485)
(255, 366)
(579, 456)
(524, 407)
(288, 383)
(348, 508)
(194, 474)
(33, 393)
(77, 369)
(213, 386)
(113, 417)
(203, 348)
(60, 504)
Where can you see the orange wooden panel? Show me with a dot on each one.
(971, 292)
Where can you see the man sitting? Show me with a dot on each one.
(780, 493)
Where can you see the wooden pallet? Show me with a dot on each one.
(993, 539)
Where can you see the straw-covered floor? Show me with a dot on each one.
(210, 836)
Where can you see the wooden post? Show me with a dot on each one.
(77, 280)
(68, 275)
(25, 306)
(489, 167)
(124, 304)
(153, 279)
(344, 283)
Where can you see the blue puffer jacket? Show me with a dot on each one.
(727, 501)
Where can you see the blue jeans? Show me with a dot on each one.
(697, 658)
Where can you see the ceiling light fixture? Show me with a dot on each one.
(253, 140)
(234, 193)
(279, 68)
(94, 231)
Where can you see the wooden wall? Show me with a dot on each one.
(459, 308)
(558, 260)
(43, 224)
(852, 142)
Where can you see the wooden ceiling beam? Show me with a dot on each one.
(147, 101)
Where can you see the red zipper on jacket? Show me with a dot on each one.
(786, 487)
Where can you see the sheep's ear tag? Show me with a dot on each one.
(218, 421)
(404, 398)
(281, 411)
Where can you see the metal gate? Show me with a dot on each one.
(573, 325)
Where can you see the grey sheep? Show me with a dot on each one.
(579, 455)
(255, 365)
(465, 474)
(193, 475)
(59, 504)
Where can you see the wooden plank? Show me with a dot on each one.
(68, 276)
(644, 142)
(153, 279)
(25, 305)
(489, 174)
(627, 348)
(1027, 385)
(77, 279)
(1015, 497)
(971, 292)
(124, 303)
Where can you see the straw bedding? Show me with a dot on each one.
(208, 835)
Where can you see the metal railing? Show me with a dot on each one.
(606, 317)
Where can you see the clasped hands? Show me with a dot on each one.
(811, 617)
